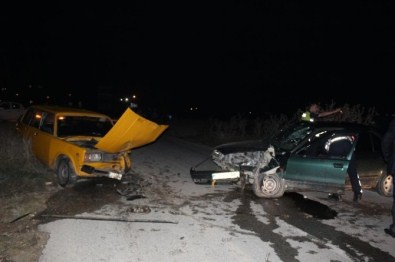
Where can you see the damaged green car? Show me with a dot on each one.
(298, 160)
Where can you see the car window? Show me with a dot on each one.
(364, 143)
(48, 123)
(27, 118)
(83, 126)
(315, 146)
(333, 143)
(291, 137)
(368, 142)
(376, 142)
(36, 120)
(339, 146)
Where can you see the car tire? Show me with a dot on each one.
(268, 186)
(64, 173)
(385, 185)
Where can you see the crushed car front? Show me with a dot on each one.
(106, 146)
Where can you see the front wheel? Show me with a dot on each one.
(385, 185)
(64, 173)
(268, 186)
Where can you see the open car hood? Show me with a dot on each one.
(130, 131)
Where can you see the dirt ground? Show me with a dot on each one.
(26, 204)
(30, 195)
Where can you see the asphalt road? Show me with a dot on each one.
(178, 220)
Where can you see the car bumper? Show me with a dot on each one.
(204, 176)
(100, 173)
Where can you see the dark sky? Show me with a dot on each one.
(237, 56)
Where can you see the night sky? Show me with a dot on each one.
(230, 57)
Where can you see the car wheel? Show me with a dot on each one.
(64, 173)
(268, 186)
(385, 186)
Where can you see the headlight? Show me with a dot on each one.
(93, 157)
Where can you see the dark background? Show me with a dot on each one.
(221, 58)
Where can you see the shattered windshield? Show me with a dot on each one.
(83, 126)
(290, 138)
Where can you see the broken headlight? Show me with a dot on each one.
(93, 157)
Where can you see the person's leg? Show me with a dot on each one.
(391, 229)
(354, 179)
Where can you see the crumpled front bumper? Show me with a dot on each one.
(206, 176)
(100, 173)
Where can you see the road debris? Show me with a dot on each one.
(117, 219)
(20, 217)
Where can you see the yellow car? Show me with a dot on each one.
(78, 143)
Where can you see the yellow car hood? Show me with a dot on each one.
(130, 131)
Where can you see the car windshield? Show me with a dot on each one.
(292, 136)
(83, 126)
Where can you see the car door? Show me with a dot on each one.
(369, 160)
(42, 138)
(38, 139)
(312, 167)
(32, 130)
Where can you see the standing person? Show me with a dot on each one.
(313, 113)
(388, 148)
(340, 147)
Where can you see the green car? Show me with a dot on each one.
(298, 160)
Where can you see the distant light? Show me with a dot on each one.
(47, 97)
(126, 99)
(134, 96)
(69, 94)
(17, 94)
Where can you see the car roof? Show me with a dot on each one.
(67, 110)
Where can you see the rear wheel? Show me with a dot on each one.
(385, 185)
(65, 173)
(268, 186)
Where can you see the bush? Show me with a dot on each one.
(241, 127)
(17, 161)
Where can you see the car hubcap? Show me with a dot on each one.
(269, 184)
(64, 174)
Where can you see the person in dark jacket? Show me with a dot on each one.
(314, 113)
(388, 149)
(340, 147)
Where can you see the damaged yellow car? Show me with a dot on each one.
(78, 143)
